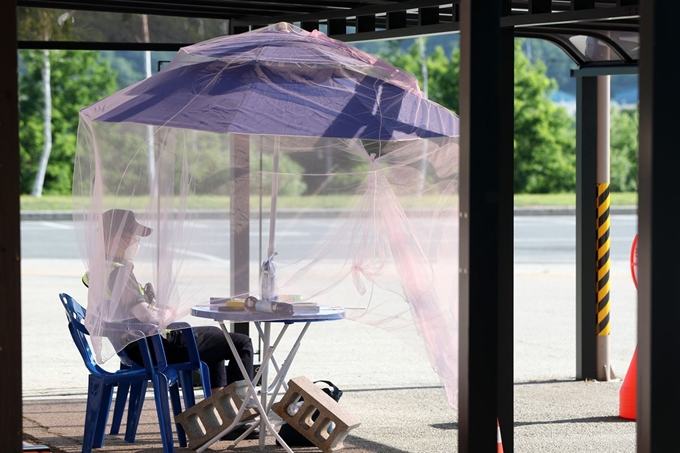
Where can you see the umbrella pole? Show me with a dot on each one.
(275, 187)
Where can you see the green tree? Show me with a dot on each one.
(545, 142)
(78, 78)
(544, 148)
(47, 24)
(623, 166)
(444, 74)
(557, 62)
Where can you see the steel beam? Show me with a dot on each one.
(593, 71)
(586, 218)
(659, 242)
(485, 233)
(540, 6)
(10, 243)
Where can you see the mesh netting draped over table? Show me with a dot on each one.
(277, 142)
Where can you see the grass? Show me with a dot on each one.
(46, 203)
(65, 202)
(569, 199)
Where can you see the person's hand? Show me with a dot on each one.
(168, 314)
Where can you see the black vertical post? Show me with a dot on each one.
(586, 232)
(365, 24)
(540, 6)
(505, 230)
(428, 16)
(582, 4)
(239, 237)
(659, 242)
(238, 29)
(10, 249)
(309, 25)
(396, 19)
(485, 208)
(337, 26)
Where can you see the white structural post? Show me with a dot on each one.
(604, 371)
(149, 129)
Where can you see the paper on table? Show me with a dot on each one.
(305, 307)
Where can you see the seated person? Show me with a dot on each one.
(122, 234)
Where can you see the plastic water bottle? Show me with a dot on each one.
(268, 289)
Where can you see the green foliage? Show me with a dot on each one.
(444, 74)
(110, 27)
(544, 155)
(557, 62)
(36, 24)
(442, 71)
(78, 78)
(624, 150)
(544, 148)
(289, 182)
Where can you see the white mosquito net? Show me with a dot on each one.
(277, 142)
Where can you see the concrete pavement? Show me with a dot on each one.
(550, 416)
(388, 384)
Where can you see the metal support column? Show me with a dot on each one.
(586, 233)
(486, 216)
(10, 243)
(506, 235)
(659, 242)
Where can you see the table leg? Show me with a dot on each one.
(265, 423)
(280, 377)
(264, 367)
(277, 369)
(268, 353)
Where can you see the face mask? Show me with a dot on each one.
(131, 251)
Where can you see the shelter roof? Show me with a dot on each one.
(592, 32)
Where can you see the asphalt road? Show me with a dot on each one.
(538, 239)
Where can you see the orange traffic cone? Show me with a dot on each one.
(499, 441)
(628, 392)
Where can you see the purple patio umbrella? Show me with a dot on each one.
(319, 121)
(280, 81)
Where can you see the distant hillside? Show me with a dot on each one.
(557, 63)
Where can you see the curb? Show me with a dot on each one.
(332, 213)
(569, 210)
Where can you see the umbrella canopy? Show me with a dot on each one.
(280, 81)
(276, 131)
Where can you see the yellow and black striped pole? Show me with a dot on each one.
(603, 265)
(603, 282)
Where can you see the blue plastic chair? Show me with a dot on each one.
(132, 376)
(137, 393)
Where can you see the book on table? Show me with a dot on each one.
(227, 304)
(234, 304)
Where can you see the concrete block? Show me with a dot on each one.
(330, 411)
(207, 418)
